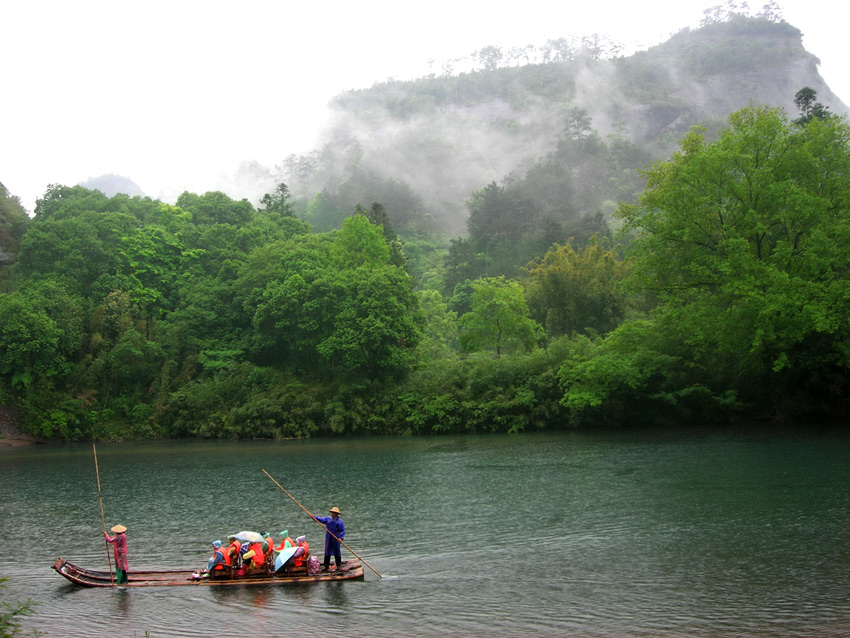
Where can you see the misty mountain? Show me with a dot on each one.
(570, 132)
(111, 184)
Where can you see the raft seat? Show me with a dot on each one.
(222, 574)
(299, 571)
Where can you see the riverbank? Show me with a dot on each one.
(10, 432)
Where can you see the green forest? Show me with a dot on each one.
(717, 293)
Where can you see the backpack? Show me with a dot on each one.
(313, 565)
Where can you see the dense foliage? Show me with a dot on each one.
(126, 317)
(130, 317)
(744, 244)
(13, 225)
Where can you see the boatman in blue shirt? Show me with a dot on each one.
(334, 527)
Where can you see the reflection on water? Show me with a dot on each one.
(701, 533)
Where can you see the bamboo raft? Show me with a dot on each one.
(350, 570)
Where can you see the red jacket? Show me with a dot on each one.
(119, 542)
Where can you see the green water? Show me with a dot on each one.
(699, 533)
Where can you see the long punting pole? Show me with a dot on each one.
(102, 519)
(320, 525)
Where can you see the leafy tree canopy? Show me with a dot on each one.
(575, 292)
(13, 224)
(806, 100)
(746, 243)
(279, 202)
(216, 208)
(499, 318)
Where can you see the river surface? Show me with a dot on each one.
(741, 532)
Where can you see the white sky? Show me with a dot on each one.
(175, 94)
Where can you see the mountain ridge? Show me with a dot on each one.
(449, 136)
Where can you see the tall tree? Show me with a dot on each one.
(498, 210)
(84, 248)
(13, 225)
(575, 292)
(340, 308)
(499, 319)
(806, 100)
(279, 202)
(29, 342)
(490, 57)
(215, 207)
(64, 201)
(440, 333)
(746, 243)
(377, 214)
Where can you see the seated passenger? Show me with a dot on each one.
(254, 557)
(268, 543)
(298, 558)
(219, 562)
(285, 541)
(234, 551)
(245, 553)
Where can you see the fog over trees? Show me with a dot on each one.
(427, 144)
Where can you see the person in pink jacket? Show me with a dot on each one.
(119, 543)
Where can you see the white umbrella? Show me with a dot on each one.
(249, 537)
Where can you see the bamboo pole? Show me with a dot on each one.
(320, 525)
(102, 519)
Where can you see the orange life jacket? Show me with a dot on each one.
(283, 543)
(299, 560)
(259, 558)
(233, 550)
(225, 557)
